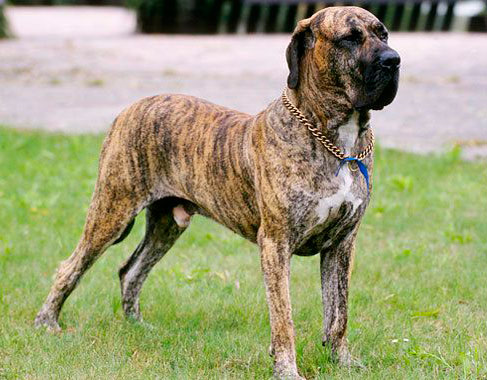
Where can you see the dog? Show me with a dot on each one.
(286, 178)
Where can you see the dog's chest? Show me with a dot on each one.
(336, 207)
(328, 205)
(326, 210)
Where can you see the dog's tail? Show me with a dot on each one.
(125, 232)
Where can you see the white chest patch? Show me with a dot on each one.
(330, 205)
(327, 206)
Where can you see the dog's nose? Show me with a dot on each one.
(390, 60)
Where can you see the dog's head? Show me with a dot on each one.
(345, 50)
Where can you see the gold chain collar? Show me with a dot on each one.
(332, 148)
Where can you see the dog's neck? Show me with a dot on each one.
(332, 113)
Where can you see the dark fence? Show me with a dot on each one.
(280, 16)
(67, 2)
(397, 15)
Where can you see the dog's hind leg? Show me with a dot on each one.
(111, 211)
(162, 231)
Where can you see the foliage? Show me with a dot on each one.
(3, 23)
(417, 302)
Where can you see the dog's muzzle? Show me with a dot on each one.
(382, 79)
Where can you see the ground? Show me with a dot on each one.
(75, 70)
(417, 301)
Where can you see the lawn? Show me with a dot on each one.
(418, 302)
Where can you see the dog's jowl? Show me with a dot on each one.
(295, 178)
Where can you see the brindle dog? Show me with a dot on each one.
(265, 176)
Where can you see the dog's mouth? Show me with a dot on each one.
(388, 93)
(379, 92)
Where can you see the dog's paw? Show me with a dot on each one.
(47, 321)
(345, 359)
(131, 309)
(288, 376)
(140, 324)
(341, 355)
(352, 363)
(286, 371)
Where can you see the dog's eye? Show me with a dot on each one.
(384, 36)
(381, 32)
(354, 36)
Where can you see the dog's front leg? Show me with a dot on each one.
(275, 262)
(336, 265)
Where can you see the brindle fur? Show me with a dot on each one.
(262, 176)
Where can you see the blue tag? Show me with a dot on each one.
(361, 166)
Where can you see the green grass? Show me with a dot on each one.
(418, 295)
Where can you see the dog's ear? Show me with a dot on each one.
(301, 39)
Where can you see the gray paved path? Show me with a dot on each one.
(83, 66)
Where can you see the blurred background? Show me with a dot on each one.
(72, 66)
